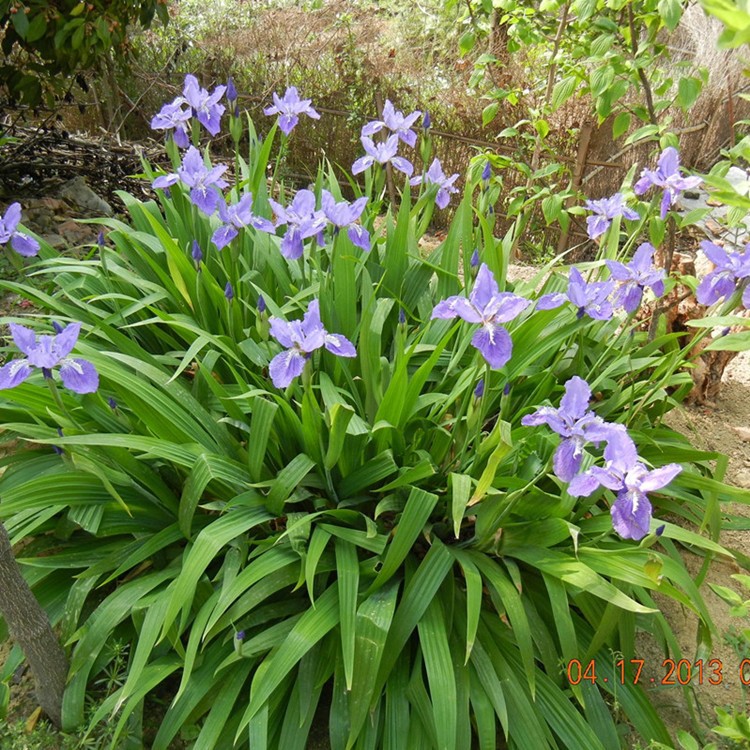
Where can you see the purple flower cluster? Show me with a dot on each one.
(47, 352)
(591, 298)
(205, 183)
(732, 269)
(574, 423)
(301, 339)
(382, 153)
(399, 124)
(236, 216)
(635, 277)
(604, 211)
(289, 108)
(436, 176)
(599, 299)
(343, 215)
(626, 475)
(489, 307)
(622, 473)
(667, 177)
(194, 102)
(20, 242)
(303, 220)
(386, 152)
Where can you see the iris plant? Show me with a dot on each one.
(343, 215)
(205, 106)
(666, 176)
(236, 216)
(624, 474)
(20, 242)
(47, 352)
(605, 210)
(436, 176)
(574, 423)
(591, 298)
(200, 103)
(302, 221)
(399, 124)
(382, 153)
(301, 339)
(289, 108)
(204, 183)
(731, 269)
(489, 307)
(174, 117)
(635, 277)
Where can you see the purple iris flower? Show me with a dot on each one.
(667, 176)
(231, 91)
(302, 221)
(382, 153)
(345, 214)
(574, 423)
(196, 252)
(606, 209)
(205, 183)
(591, 299)
(474, 260)
(20, 242)
(290, 107)
(486, 172)
(236, 216)
(172, 116)
(205, 106)
(731, 269)
(489, 307)
(436, 176)
(301, 338)
(426, 121)
(398, 123)
(635, 276)
(479, 390)
(261, 304)
(625, 474)
(78, 375)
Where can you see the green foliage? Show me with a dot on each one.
(614, 57)
(735, 726)
(374, 547)
(735, 15)
(45, 42)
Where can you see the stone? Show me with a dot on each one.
(74, 233)
(52, 204)
(78, 192)
(55, 241)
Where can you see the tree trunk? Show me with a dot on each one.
(29, 626)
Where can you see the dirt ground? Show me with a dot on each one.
(725, 427)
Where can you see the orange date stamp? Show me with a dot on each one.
(673, 672)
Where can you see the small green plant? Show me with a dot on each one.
(735, 727)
